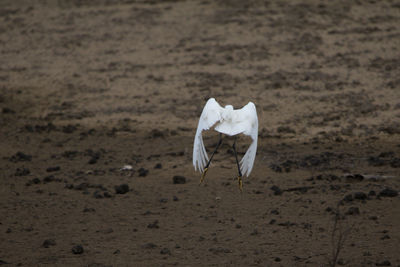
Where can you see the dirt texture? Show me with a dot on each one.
(90, 86)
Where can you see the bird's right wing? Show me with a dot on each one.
(250, 126)
(210, 115)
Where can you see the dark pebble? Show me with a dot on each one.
(48, 243)
(177, 179)
(149, 246)
(19, 156)
(372, 193)
(353, 211)
(348, 198)
(78, 249)
(175, 198)
(158, 166)
(143, 172)
(153, 225)
(22, 172)
(107, 194)
(93, 160)
(354, 178)
(98, 194)
(49, 179)
(277, 259)
(383, 263)
(53, 169)
(388, 192)
(360, 195)
(277, 190)
(165, 251)
(122, 189)
(8, 111)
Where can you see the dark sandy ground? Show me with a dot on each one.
(90, 86)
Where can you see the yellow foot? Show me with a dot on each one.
(240, 183)
(203, 175)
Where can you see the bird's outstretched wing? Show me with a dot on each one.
(210, 115)
(250, 122)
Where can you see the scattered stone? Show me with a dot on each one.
(277, 190)
(49, 179)
(388, 192)
(277, 259)
(158, 166)
(78, 249)
(360, 195)
(175, 198)
(354, 178)
(93, 160)
(48, 243)
(348, 198)
(177, 179)
(353, 211)
(143, 172)
(69, 129)
(149, 246)
(165, 251)
(395, 163)
(19, 156)
(372, 193)
(275, 167)
(8, 111)
(153, 225)
(383, 263)
(122, 189)
(33, 181)
(89, 210)
(53, 169)
(22, 172)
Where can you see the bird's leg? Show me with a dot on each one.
(240, 183)
(208, 163)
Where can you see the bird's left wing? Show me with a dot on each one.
(249, 114)
(210, 115)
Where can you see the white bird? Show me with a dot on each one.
(230, 122)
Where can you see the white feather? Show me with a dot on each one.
(230, 122)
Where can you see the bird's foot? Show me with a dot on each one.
(203, 175)
(240, 183)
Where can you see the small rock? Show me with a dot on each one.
(153, 225)
(98, 194)
(53, 169)
(122, 189)
(348, 198)
(175, 198)
(277, 259)
(19, 156)
(48, 243)
(353, 211)
(78, 249)
(165, 251)
(354, 178)
(49, 179)
(22, 172)
(158, 166)
(277, 190)
(149, 246)
(143, 172)
(388, 192)
(383, 263)
(177, 179)
(360, 195)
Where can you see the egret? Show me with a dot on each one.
(230, 122)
